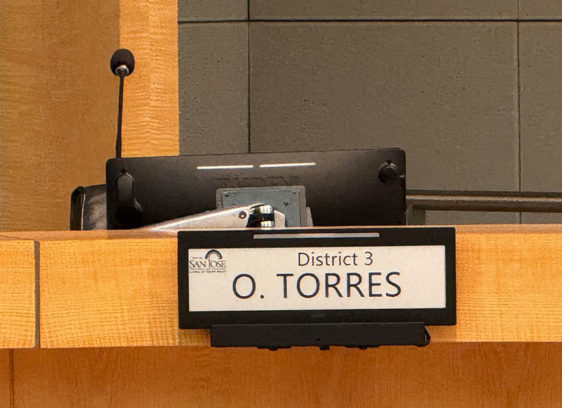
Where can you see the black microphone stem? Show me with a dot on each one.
(122, 64)
(118, 142)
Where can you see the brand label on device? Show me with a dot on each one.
(317, 278)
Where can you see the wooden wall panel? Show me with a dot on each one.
(17, 294)
(5, 379)
(444, 375)
(58, 99)
(151, 118)
(58, 105)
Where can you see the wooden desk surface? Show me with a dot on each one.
(118, 288)
(17, 293)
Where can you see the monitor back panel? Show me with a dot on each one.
(342, 188)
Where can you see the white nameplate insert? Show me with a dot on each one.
(317, 278)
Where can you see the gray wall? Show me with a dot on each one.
(471, 89)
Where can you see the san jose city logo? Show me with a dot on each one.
(212, 262)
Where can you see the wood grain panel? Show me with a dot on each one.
(508, 288)
(111, 293)
(58, 106)
(5, 383)
(151, 118)
(17, 293)
(507, 375)
(122, 291)
(58, 99)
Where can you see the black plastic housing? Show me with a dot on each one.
(356, 187)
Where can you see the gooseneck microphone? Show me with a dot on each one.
(129, 210)
(88, 205)
(122, 64)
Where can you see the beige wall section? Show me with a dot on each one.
(213, 98)
(150, 30)
(57, 107)
(212, 10)
(461, 375)
(384, 9)
(540, 9)
(541, 104)
(5, 383)
(418, 86)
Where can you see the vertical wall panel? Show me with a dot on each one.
(418, 86)
(213, 88)
(445, 92)
(58, 102)
(383, 9)
(541, 107)
(212, 10)
(58, 105)
(540, 9)
(150, 125)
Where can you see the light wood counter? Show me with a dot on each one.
(104, 289)
(117, 288)
(17, 293)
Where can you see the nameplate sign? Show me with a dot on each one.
(316, 275)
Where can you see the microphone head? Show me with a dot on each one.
(122, 58)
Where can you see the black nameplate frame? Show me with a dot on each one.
(367, 287)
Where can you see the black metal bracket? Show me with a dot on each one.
(322, 335)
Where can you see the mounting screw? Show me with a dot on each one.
(388, 172)
(242, 215)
